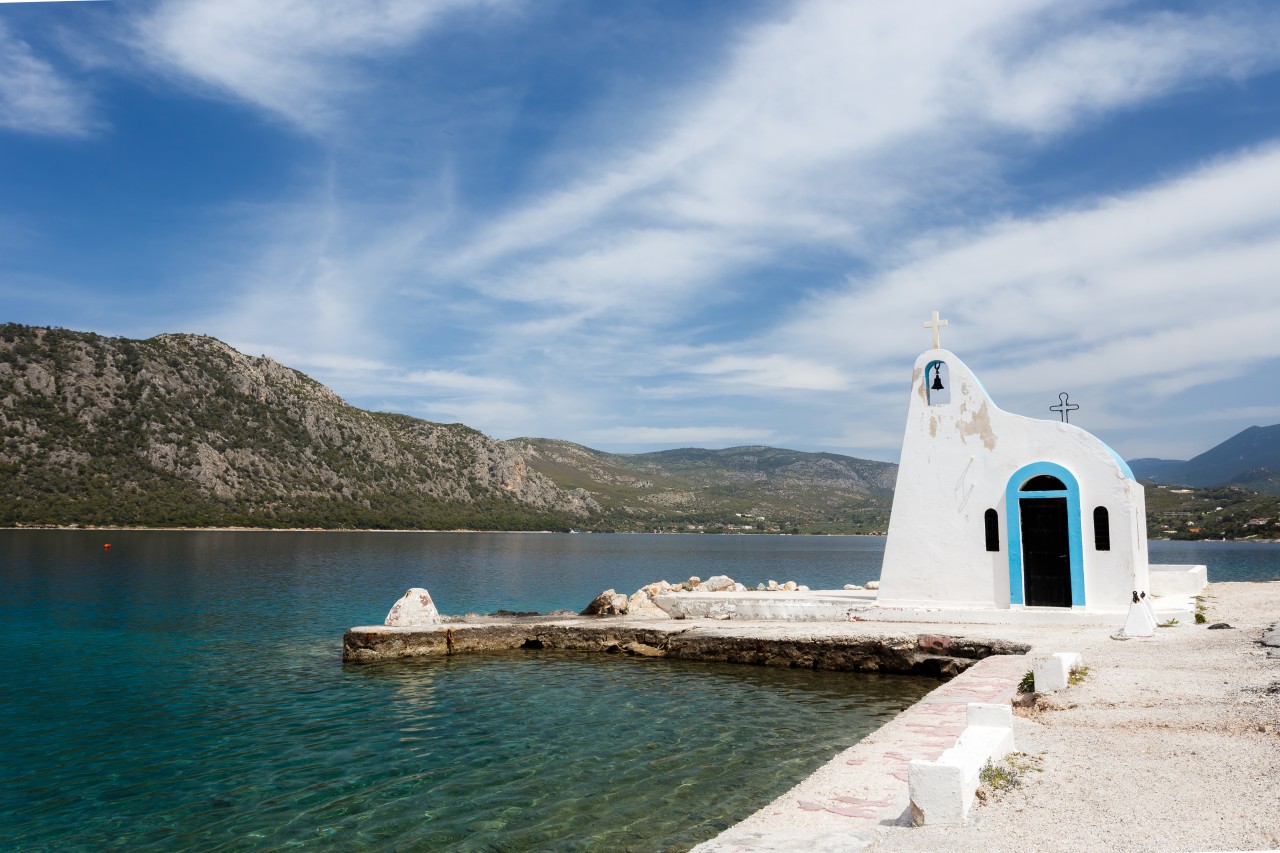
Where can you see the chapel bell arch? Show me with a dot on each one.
(937, 383)
(1046, 558)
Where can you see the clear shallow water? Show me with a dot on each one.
(185, 691)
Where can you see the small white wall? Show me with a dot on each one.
(1178, 580)
(957, 460)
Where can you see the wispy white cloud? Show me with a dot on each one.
(843, 116)
(293, 58)
(35, 97)
(1064, 81)
(454, 381)
(774, 371)
(1137, 298)
(869, 135)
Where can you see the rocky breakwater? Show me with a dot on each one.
(643, 602)
(617, 623)
(654, 600)
(723, 598)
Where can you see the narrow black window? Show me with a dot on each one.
(993, 530)
(1101, 529)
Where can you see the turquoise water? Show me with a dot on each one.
(184, 691)
(1226, 561)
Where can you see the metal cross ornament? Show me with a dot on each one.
(1064, 407)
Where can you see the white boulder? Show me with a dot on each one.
(642, 605)
(719, 583)
(414, 610)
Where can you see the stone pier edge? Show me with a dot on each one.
(796, 646)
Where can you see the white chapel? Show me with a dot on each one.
(996, 511)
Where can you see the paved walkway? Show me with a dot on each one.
(1171, 743)
(839, 807)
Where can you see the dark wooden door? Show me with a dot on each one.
(1046, 552)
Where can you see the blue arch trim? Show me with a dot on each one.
(1124, 466)
(1013, 521)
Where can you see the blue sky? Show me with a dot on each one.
(658, 224)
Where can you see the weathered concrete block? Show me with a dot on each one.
(1054, 672)
(990, 715)
(937, 791)
(942, 791)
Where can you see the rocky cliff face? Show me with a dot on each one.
(184, 429)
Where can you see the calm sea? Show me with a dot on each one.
(184, 691)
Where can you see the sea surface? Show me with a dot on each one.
(185, 691)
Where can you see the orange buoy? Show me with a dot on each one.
(106, 546)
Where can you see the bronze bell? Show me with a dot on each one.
(937, 378)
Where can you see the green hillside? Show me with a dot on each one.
(739, 489)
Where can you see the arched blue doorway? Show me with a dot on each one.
(1046, 563)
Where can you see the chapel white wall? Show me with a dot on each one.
(957, 459)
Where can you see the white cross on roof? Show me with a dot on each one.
(935, 324)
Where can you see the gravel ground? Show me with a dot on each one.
(1170, 743)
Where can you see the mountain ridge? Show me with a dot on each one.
(183, 429)
(1250, 458)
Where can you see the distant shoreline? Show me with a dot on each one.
(107, 528)
(66, 528)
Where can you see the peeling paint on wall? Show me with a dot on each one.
(979, 424)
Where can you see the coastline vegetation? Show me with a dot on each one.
(1228, 512)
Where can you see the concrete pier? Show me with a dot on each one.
(851, 647)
